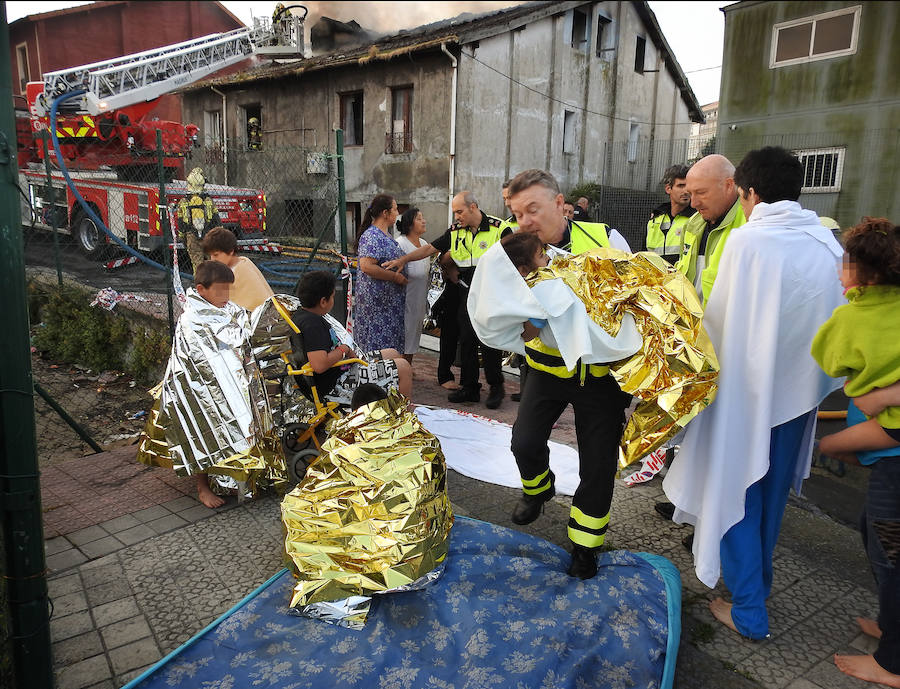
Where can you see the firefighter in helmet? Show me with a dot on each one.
(254, 134)
(196, 215)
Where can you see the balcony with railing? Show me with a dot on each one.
(399, 142)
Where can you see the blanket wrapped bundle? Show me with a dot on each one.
(675, 370)
(371, 516)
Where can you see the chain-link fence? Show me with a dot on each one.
(102, 309)
(844, 178)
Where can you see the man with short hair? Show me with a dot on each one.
(710, 182)
(461, 246)
(569, 210)
(776, 285)
(665, 229)
(510, 218)
(581, 209)
(550, 387)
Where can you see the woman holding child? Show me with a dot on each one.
(380, 293)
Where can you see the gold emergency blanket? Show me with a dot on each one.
(371, 515)
(674, 373)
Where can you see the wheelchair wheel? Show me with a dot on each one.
(290, 438)
(298, 463)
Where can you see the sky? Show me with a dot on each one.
(682, 23)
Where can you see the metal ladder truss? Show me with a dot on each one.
(131, 79)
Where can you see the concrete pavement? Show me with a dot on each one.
(138, 566)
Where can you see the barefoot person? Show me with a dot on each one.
(776, 285)
(860, 341)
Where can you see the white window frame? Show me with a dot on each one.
(24, 71)
(840, 152)
(855, 10)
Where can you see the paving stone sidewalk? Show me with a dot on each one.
(138, 566)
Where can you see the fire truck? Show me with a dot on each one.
(105, 136)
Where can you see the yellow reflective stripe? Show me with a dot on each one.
(537, 491)
(585, 539)
(88, 120)
(588, 521)
(531, 483)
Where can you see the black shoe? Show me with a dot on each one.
(688, 541)
(584, 563)
(530, 507)
(665, 509)
(495, 397)
(516, 397)
(465, 395)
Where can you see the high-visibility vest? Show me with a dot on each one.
(467, 247)
(702, 270)
(665, 234)
(543, 357)
(196, 212)
(587, 235)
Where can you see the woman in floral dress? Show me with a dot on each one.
(380, 293)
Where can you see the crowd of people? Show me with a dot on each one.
(790, 312)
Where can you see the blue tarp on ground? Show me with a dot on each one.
(504, 614)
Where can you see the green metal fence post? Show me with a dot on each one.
(51, 198)
(163, 213)
(20, 497)
(342, 191)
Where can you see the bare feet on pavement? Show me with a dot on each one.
(869, 627)
(866, 668)
(449, 385)
(205, 495)
(722, 612)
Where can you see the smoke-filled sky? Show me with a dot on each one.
(681, 22)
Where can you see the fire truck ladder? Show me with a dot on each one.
(130, 79)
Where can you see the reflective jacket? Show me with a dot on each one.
(665, 234)
(702, 270)
(197, 213)
(545, 358)
(585, 236)
(467, 247)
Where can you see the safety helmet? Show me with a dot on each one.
(253, 121)
(829, 223)
(195, 180)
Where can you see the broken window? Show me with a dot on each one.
(580, 38)
(352, 118)
(253, 124)
(640, 48)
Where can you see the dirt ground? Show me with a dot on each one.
(108, 405)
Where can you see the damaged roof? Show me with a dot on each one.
(460, 30)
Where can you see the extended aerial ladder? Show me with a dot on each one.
(119, 93)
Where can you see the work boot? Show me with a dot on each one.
(665, 509)
(465, 395)
(584, 563)
(516, 397)
(495, 397)
(530, 507)
(688, 541)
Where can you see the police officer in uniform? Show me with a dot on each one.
(473, 233)
(511, 219)
(550, 387)
(665, 229)
(196, 214)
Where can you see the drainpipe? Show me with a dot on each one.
(224, 131)
(453, 62)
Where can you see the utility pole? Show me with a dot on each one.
(20, 496)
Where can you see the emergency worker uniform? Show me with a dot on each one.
(703, 246)
(196, 214)
(599, 407)
(665, 233)
(584, 236)
(466, 246)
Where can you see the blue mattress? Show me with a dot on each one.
(504, 614)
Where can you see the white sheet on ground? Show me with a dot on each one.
(478, 447)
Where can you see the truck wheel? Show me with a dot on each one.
(90, 238)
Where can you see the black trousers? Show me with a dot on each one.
(468, 352)
(599, 407)
(448, 321)
(880, 527)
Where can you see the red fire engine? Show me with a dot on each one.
(105, 137)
